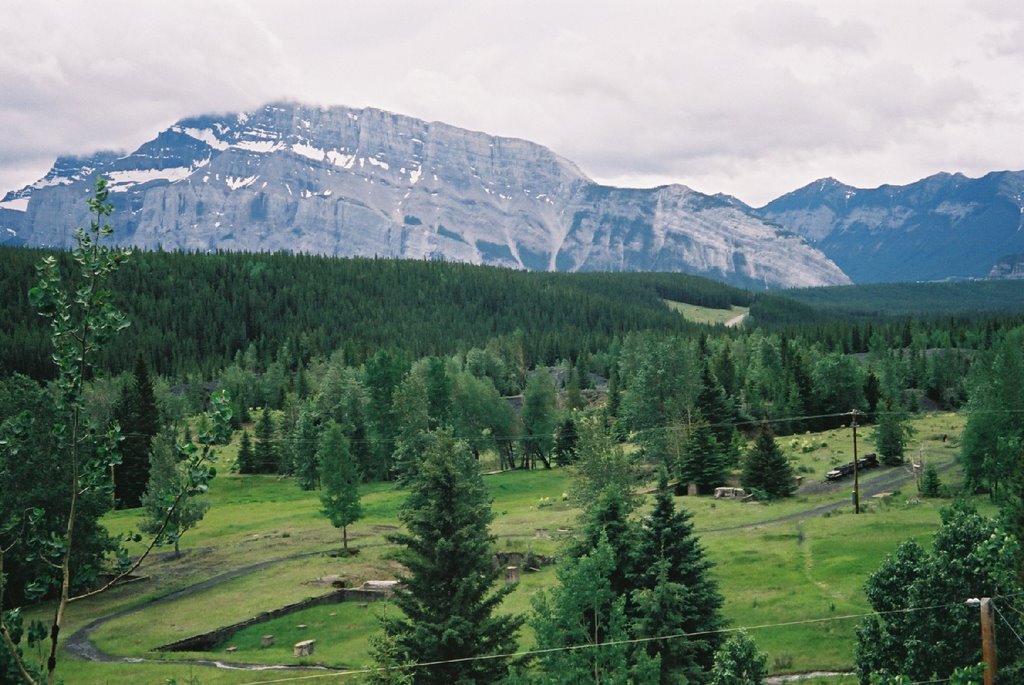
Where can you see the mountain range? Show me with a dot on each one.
(946, 226)
(346, 182)
(366, 182)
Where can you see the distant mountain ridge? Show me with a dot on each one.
(946, 226)
(347, 182)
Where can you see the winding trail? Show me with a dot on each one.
(80, 645)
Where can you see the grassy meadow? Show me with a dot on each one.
(707, 315)
(794, 581)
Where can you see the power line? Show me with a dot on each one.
(1008, 624)
(612, 643)
(672, 427)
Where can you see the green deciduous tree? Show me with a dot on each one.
(412, 418)
(739, 662)
(601, 463)
(482, 416)
(451, 611)
(164, 515)
(585, 612)
(838, 385)
(340, 477)
(993, 420)
(924, 629)
(766, 467)
(539, 417)
(83, 320)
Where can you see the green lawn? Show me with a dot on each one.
(692, 312)
(805, 573)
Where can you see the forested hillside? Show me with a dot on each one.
(194, 312)
(927, 300)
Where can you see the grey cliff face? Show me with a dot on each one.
(1010, 267)
(348, 182)
(944, 226)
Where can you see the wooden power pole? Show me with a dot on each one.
(856, 479)
(988, 640)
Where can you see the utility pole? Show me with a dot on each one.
(988, 636)
(856, 475)
(988, 640)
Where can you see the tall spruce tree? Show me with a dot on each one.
(246, 460)
(717, 410)
(340, 477)
(565, 442)
(766, 467)
(451, 611)
(702, 462)
(681, 596)
(304, 442)
(265, 452)
(892, 433)
(139, 418)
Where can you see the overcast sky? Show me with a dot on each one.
(751, 98)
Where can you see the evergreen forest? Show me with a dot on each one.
(124, 374)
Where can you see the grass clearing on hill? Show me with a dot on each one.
(808, 573)
(706, 315)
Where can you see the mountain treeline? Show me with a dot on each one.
(921, 300)
(192, 313)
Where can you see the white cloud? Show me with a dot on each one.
(753, 99)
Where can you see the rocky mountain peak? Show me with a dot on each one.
(343, 181)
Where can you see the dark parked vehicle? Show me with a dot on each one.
(868, 461)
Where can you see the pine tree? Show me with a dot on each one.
(607, 518)
(892, 434)
(304, 441)
(265, 452)
(931, 486)
(340, 478)
(139, 418)
(439, 393)
(246, 457)
(614, 392)
(565, 442)
(714, 405)
(702, 462)
(451, 612)
(573, 396)
(766, 467)
(669, 552)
